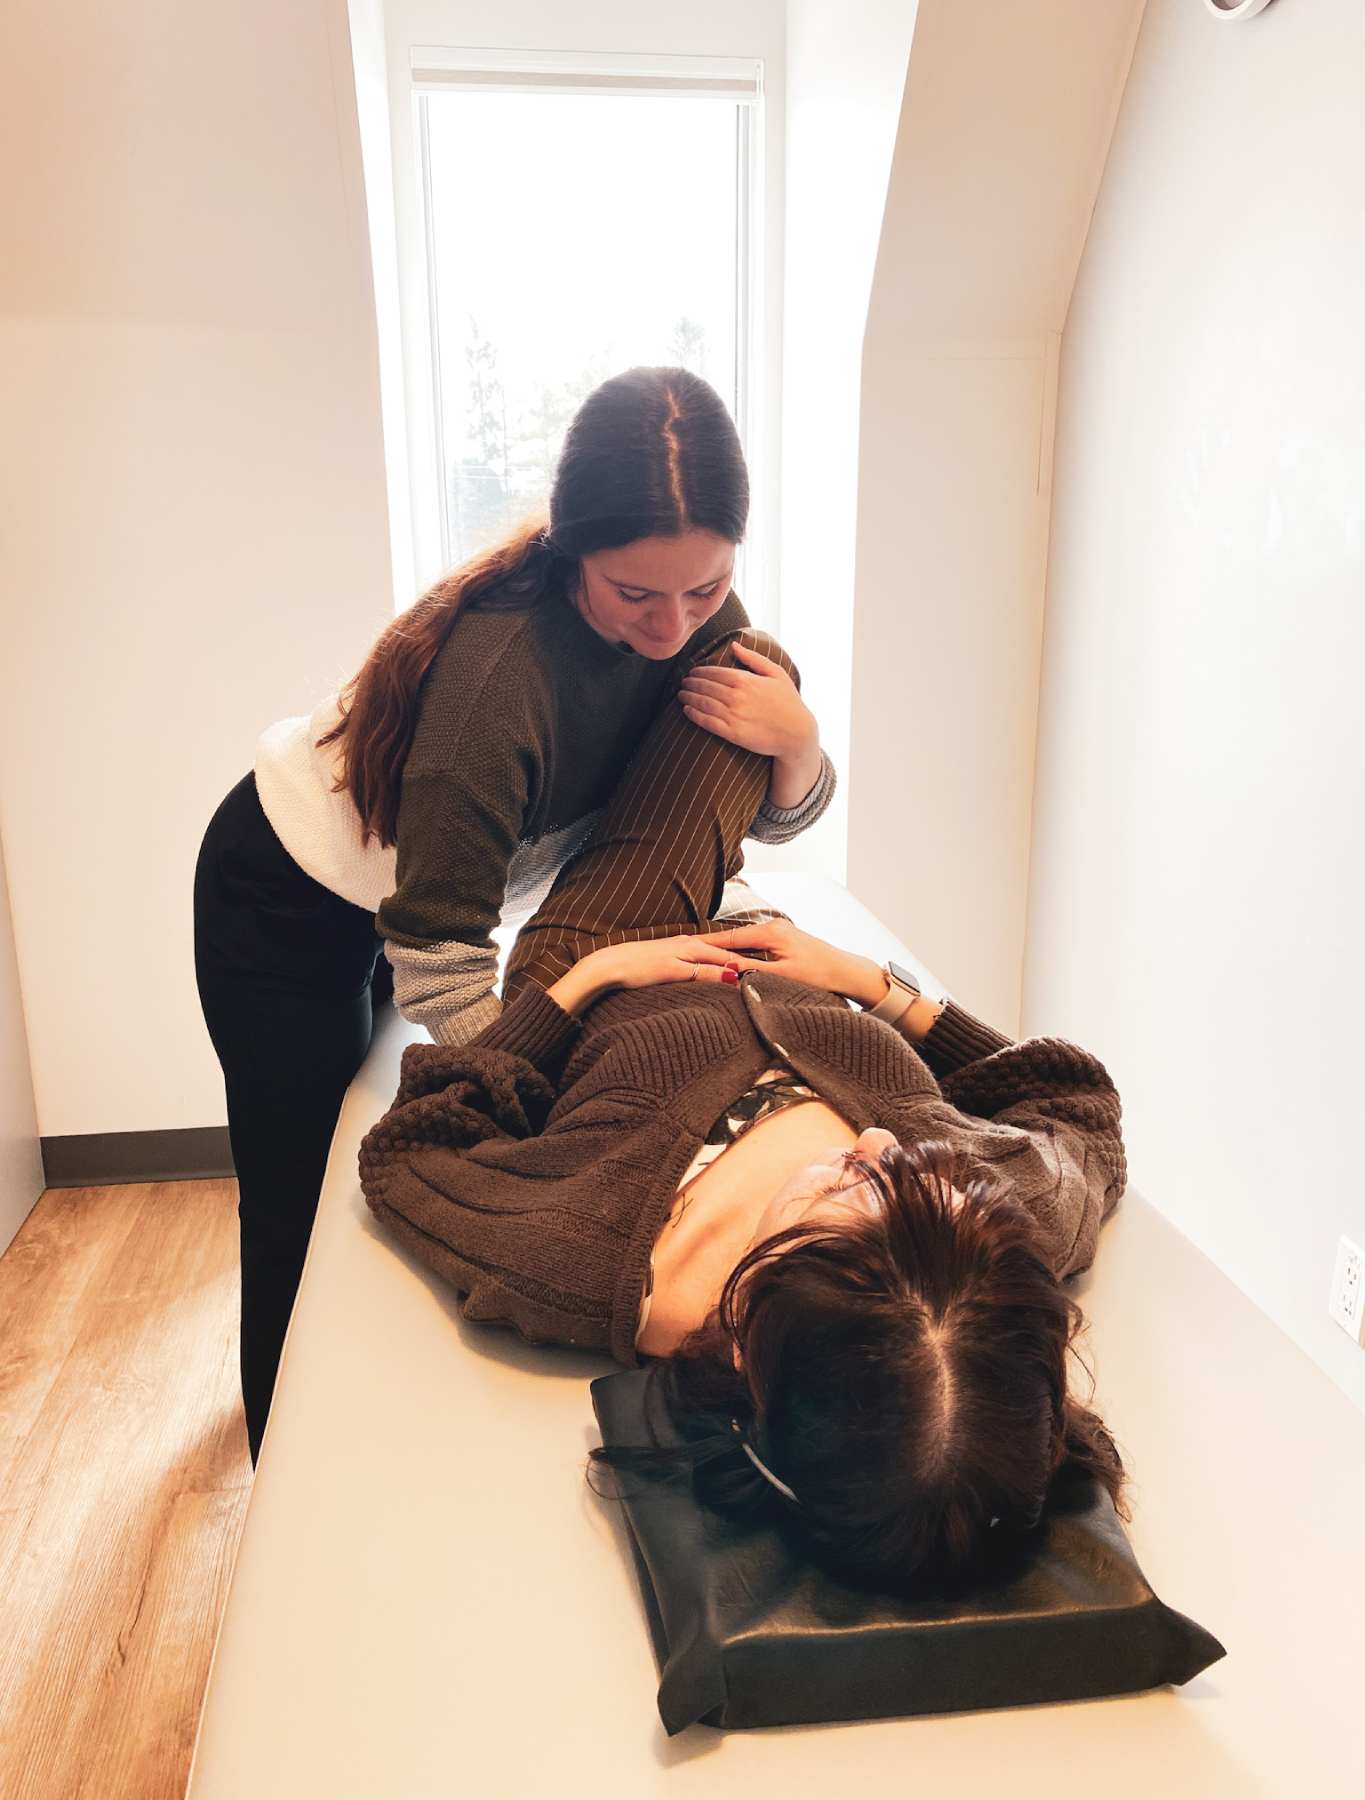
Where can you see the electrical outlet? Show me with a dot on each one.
(1347, 1304)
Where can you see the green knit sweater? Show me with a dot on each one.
(527, 721)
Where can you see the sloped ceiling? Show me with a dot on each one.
(1008, 111)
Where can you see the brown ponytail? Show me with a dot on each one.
(379, 706)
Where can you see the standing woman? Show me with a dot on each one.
(377, 842)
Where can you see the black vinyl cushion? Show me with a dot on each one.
(747, 1635)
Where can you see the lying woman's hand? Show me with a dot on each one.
(650, 964)
(797, 954)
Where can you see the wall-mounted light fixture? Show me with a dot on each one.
(1235, 9)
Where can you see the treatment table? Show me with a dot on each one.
(429, 1600)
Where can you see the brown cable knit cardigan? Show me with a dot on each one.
(534, 1166)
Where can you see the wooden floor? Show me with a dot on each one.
(124, 1475)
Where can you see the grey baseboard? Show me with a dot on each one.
(106, 1158)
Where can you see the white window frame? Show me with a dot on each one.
(439, 68)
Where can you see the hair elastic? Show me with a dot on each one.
(767, 1473)
(760, 1465)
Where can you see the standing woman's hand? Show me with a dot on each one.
(758, 707)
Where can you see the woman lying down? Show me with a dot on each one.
(842, 1239)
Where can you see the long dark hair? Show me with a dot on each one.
(903, 1372)
(649, 453)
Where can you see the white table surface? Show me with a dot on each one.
(428, 1600)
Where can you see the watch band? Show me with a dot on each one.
(902, 994)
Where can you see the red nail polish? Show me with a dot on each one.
(730, 975)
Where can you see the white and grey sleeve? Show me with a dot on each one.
(779, 824)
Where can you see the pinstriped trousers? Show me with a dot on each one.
(659, 860)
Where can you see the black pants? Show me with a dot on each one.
(289, 976)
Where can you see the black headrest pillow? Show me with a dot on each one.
(746, 1634)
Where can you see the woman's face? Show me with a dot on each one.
(654, 593)
(836, 1186)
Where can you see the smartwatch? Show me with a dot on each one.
(905, 990)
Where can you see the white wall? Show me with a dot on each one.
(1197, 866)
(845, 76)
(1005, 124)
(370, 73)
(191, 456)
(21, 1162)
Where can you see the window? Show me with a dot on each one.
(581, 214)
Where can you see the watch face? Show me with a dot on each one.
(900, 973)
